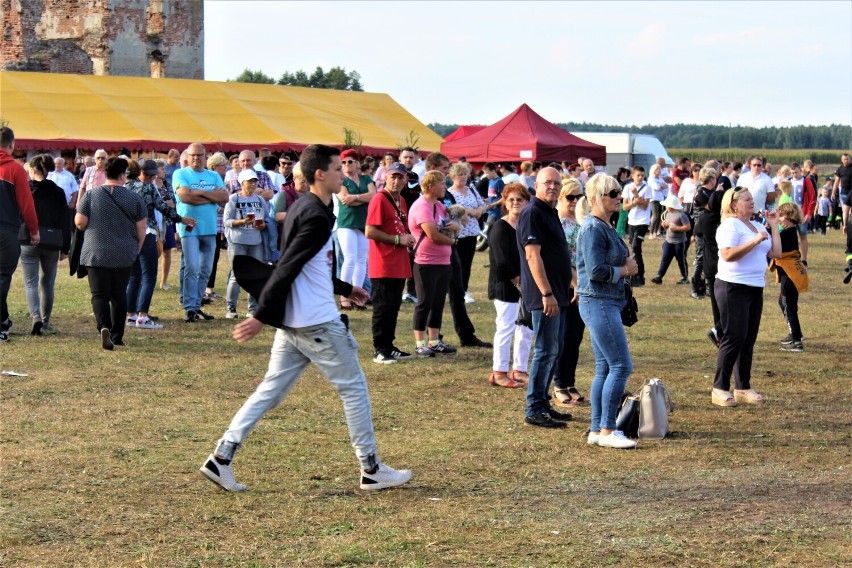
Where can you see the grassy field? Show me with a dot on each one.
(100, 450)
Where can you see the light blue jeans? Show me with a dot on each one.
(198, 254)
(232, 293)
(334, 351)
(33, 258)
(613, 364)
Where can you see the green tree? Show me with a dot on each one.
(249, 76)
(336, 78)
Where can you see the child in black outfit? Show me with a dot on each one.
(791, 274)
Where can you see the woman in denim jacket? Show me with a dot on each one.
(603, 261)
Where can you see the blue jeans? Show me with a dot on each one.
(232, 292)
(334, 351)
(549, 333)
(33, 258)
(198, 254)
(143, 277)
(613, 364)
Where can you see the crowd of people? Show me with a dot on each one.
(564, 239)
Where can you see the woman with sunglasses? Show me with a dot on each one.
(355, 194)
(504, 280)
(603, 264)
(564, 390)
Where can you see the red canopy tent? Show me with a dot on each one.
(523, 135)
(462, 131)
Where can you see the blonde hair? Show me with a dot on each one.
(786, 187)
(457, 168)
(431, 178)
(791, 211)
(784, 171)
(297, 171)
(597, 185)
(526, 167)
(216, 160)
(730, 199)
(569, 186)
(706, 173)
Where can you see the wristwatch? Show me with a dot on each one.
(549, 294)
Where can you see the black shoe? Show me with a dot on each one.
(37, 328)
(561, 416)
(398, 353)
(544, 420)
(657, 280)
(476, 342)
(191, 317)
(202, 316)
(638, 282)
(106, 339)
(6, 325)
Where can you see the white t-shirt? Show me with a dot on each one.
(311, 300)
(758, 188)
(751, 268)
(636, 215)
(657, 192)
(687, 191)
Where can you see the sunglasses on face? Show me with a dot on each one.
(350, 162)
(613, 193)
(572, 197)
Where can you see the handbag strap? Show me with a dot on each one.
(423, 233)
(400, 215)
(111, 196)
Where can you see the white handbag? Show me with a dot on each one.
(655, 403)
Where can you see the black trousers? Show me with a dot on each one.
(221, 243)
(788, 301)
(109, 298)
(569, 354)
(740, 308)
(461, 321)
(636, 235)
(714, 305)
(466, 249)
(698, 267)
(387, 299)
(432, 282)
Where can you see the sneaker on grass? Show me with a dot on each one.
(383, 358)
(384, 477)
(424, 351)
(146, 323)
(231, 314)
(221, 474)
(794, 346)
(442, 348)
(398, 353)
(616, 439)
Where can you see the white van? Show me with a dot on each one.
(624, 150)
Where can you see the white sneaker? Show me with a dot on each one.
(146, 323)
(468, 299)
(131, 320)
(231, 314)
(616, 439)
(221, 475)
(409, 298)
(593, 438)
(384, 478)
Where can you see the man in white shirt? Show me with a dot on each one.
(759, 185)
(636, 199)
(589, 171)
(64, 179)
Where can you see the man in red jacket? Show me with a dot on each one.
(804, 195)
(16, 203)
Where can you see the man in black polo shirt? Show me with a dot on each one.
(545, 283)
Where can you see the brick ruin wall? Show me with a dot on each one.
(143, 38)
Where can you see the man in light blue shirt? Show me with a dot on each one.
(198, 193)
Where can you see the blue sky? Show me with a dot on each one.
(750, 63)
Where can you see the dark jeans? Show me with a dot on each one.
(740, 307)
(143, 277)
(656, 218)
(432, 282)
(109, 298)
(569, 354)
(672, 251)
(698, 268)
(10, 252)
(466, 249)
(461, 321)
(788, 301)
(387, 299)
(636, 236)
(549, 335)
(714, 305)
(221, 243)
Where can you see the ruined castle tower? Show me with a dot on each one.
(143, 38)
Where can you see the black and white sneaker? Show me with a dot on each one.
(221, 474)
(204, 316)
(787, 340)
(442, 348)
(191, 316)
(383, 358)
(6, 325)
(794, 346)
(4, 337)
(398, 353)
(384, 477)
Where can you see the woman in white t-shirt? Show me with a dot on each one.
(744, 246)
(660, 190)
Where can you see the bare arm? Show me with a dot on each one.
(434, 235)
(376, 234)
(81, 221)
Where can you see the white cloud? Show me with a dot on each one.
(751, 36)
(649, 42)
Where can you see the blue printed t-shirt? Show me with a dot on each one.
(495, 192)
(204, 215)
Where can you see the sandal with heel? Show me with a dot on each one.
(570, 397)
(519, 377)
(500, 379)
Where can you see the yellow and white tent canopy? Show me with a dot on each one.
(54, 111)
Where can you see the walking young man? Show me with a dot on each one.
(299, 300)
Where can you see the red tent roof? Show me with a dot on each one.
(523, 135)
(462, 131)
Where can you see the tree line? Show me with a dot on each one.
(335, 78)
(832, 137)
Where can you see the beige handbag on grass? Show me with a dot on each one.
(655, 403)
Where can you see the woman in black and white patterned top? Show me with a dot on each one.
(114, 220)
